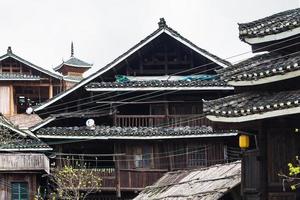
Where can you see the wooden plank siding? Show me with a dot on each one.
(7, 179)
(24, 162)
(163, 158)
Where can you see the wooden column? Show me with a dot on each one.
(50, 91)
(12, 101)
(263, 158)
(117, 170)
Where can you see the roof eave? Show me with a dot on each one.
(229, 134)
(159, 88)
(260, 81)
(253, 117)
(272, 37)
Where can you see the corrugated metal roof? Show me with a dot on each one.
(206, 183)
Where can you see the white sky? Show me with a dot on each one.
(41, 30)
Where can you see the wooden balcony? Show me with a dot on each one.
(129, 179)
(161, 120)
(24, 162)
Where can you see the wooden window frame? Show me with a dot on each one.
(19, 190)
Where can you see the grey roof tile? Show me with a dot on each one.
(119, 132)
(277, 23)
(74, 62)
(261, 66)
(11, 139)
(204, 183)
(18, 76)
(158, 84)
(250, 103)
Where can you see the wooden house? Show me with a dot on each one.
(72, 69)
(141, 115)
(22, 163)
(23, 84)
(266, 104)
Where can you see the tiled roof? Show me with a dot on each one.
(262, 67)
(16, 76)
(277, 23)
(256, 104)
(203, 184)
(107, 132)
(25, 121)
(158, 84)
(13, 139)
(74, 62)
(162, 29)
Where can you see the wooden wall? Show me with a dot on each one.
(7, 179)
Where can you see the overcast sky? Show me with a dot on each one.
(41, 30)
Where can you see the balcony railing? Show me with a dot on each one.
(130, 179)
(161, 120)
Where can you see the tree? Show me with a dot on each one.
(75, 183)
(293, 178)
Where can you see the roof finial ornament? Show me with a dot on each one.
(9, 49)
(162, 23)
(72, 49)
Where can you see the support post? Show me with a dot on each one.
(50, 91)
(12, 100)
(117, 169)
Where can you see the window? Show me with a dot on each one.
(197, 155)
(143, 157)
(19, 191)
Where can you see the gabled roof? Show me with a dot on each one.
(261, 69)
(274, 27)
(159, 85)
(13, 139)
(74, 62)
(10, 54)
(209, 183)
(163, 29)
(251, 106)
(144, 133)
